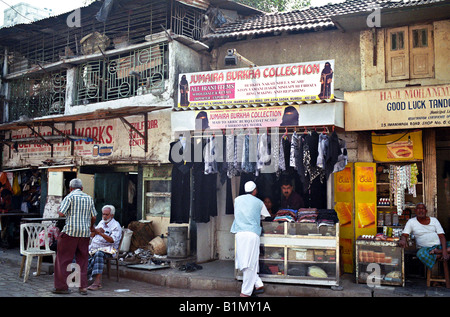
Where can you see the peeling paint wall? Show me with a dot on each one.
(314, 46)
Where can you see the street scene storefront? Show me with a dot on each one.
(343, 127)
(261, 124)
(109, 156)
(409, 145)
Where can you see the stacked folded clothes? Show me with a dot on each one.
(327, 217)
(307, 215)
(322, 217)
(288, 215)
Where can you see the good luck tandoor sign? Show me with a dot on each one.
(399, 108)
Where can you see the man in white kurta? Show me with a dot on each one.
(248, 212)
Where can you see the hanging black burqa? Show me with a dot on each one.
(332, 153)
(181, 183)
(204, 200)
(313, 143)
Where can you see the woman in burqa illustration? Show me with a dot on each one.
(201, 121)
(290, 117)
(184, 92)
(325, 81)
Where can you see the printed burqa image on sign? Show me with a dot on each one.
(264, 84)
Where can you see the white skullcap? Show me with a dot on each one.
(249, 186)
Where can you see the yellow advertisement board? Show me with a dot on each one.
(365, 199)
(343, 194)
(397, 147)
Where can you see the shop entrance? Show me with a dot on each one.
(117, 186)
(443, 178)
(117, 189)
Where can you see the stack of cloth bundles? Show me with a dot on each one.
(307, 215)
(327, 217)
(288, 215)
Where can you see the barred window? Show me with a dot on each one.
(126, 75)
(38, 96)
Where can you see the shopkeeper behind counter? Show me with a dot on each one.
(429, 236)
(290, 198)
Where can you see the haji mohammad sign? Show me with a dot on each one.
(266, 84)
(401, 108)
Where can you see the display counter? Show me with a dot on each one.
(388, 258)
(299, 253)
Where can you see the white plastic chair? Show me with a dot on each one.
(29, 247)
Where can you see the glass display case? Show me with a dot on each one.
(157, 190)
(299, 253)
(380, 261)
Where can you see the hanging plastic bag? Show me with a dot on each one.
(16, 187)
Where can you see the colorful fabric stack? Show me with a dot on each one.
(307, 215)
(288, 215)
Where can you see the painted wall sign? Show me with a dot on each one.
(265, 84)
(98, 140)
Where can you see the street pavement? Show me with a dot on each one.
(11, 285)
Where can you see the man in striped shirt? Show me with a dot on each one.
(80, 213)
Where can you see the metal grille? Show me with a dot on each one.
(187, 21)
(135, 73)
(37, 97)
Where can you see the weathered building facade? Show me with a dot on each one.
(381, 54)
(89, 94)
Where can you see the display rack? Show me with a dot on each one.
(389, 259)
(299, 253)
(386, 209)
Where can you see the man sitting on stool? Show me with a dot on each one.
(105, 242)
(429, 236)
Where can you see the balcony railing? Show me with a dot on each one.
(126, 75)
(36, 97)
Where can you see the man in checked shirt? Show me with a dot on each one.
(73, 242)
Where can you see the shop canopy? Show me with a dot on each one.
(307, 114)
(59, 136)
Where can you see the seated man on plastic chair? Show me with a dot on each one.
(105, 243)
(429, 235)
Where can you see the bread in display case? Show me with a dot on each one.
(386, 257)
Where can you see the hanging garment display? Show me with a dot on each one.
(342, 158)
(249, 155)
(313, 157)
(332, 153)
(210, 156)
(294, 150)
(180, 183)
(282, 160)
(204, 193)
(238, 149)
(263, 155)
(310, 160)
(204, 198)
(230, 156)
(322, 150)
